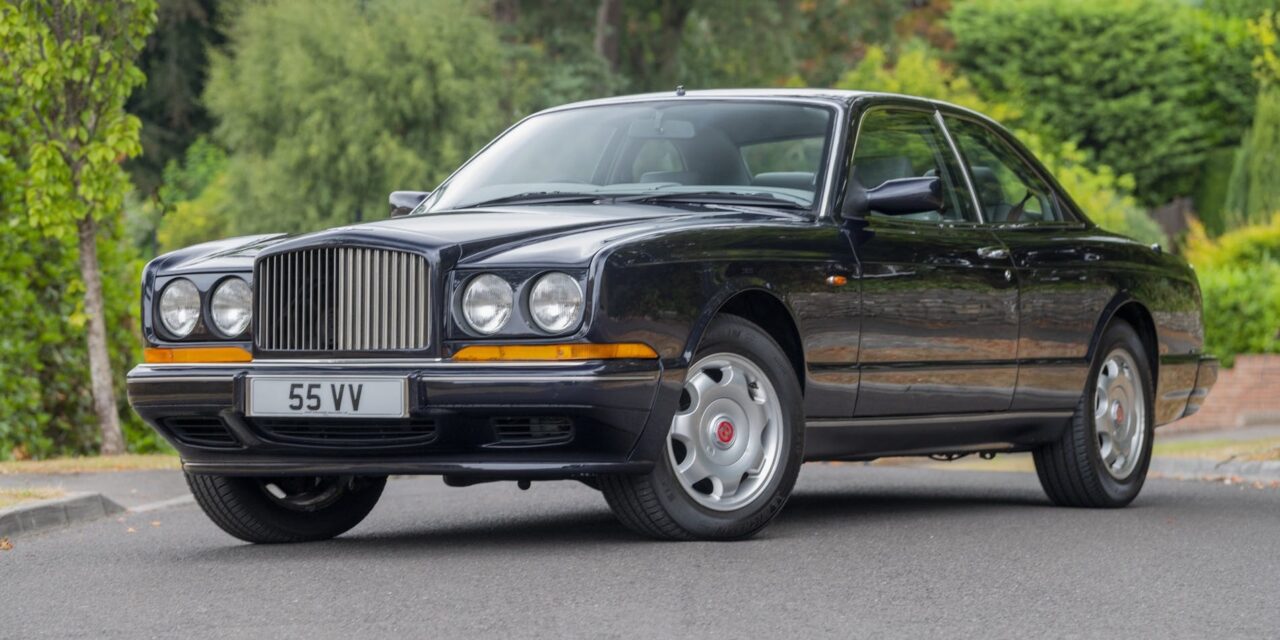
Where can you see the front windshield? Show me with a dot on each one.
(742, 151)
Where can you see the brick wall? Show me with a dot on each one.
(1246, 395)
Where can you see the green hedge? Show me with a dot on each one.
(1239, 276)
(1149, 87)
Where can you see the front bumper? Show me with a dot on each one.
(481, 420)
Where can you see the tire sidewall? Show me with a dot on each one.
(730, 334)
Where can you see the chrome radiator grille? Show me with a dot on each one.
(341, 299)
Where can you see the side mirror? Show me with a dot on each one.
(402, 202)
(899, 197)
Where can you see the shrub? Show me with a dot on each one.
(1239, 276)
(1145, 87)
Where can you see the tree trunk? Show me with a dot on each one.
(104, 395)
(608, 30)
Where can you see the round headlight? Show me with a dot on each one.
(486, 303)
(232, 307)
(555, 303)
(179, 307)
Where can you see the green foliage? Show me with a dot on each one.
(191, 206)
(1254, 192)
(1240, 8)
(1100, 192)
(1239, 274)
(328, 106)
(68, 69)
(1145, 87)
(176, 63)
(74, 90)
(1212, 189)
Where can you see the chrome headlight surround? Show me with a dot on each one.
(487, 303)
(556, 302)
(179, 308)
(231, 306)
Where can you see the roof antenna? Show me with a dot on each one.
(679, 90)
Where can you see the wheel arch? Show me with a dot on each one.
(765, 309)
(1125, 307)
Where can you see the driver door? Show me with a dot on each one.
(939, 305)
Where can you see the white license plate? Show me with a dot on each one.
(350, 397)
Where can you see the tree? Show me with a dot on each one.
(1145, 87)
(325, 107)
(71, 64)
(176, 63)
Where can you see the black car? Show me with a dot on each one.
(676, 299)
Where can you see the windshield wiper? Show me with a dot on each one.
(717, 197)
(536, 197)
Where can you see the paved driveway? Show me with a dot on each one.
(867, 551)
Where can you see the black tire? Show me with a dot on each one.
(246, 509)
(657, 506)
(1072, 470)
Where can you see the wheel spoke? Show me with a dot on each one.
(684, 428)
(724, 484)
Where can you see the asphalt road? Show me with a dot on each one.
(859, 551)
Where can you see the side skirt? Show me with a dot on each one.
(869, 438)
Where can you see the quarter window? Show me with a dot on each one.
(1009, 190)
(902, 143)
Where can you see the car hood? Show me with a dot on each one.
(533, 235)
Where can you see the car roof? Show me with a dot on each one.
(833, 96)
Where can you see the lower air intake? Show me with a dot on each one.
(201, 431)
(528, 431)
(366, 433)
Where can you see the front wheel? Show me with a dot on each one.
(1101, 459)
(273, 510)
(733, 449)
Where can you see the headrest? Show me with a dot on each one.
(874, 171)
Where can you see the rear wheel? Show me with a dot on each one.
(1101, 459)
(733, 449)
(272, 510)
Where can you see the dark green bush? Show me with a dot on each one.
(1146, 87)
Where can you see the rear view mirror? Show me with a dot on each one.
(402, 202)
(660, 128)
(902, 196)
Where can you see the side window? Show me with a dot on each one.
(1009, 190)
(902, 143)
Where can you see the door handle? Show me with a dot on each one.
(993, 253)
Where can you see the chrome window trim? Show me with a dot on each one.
(930, 110)
(1015, 147)
(964, 168)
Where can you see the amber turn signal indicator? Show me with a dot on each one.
(194, 355)
(584, 351)
(837, 281)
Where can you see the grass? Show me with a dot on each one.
(127, 462)
(1264, 449)
(10, 497)
(1213, 449)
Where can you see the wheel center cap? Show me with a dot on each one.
(724, 432)
(1119, 413)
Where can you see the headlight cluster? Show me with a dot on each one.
(230, 307)
(555, 303)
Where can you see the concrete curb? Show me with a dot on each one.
(32, 517)
(1248, 471)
